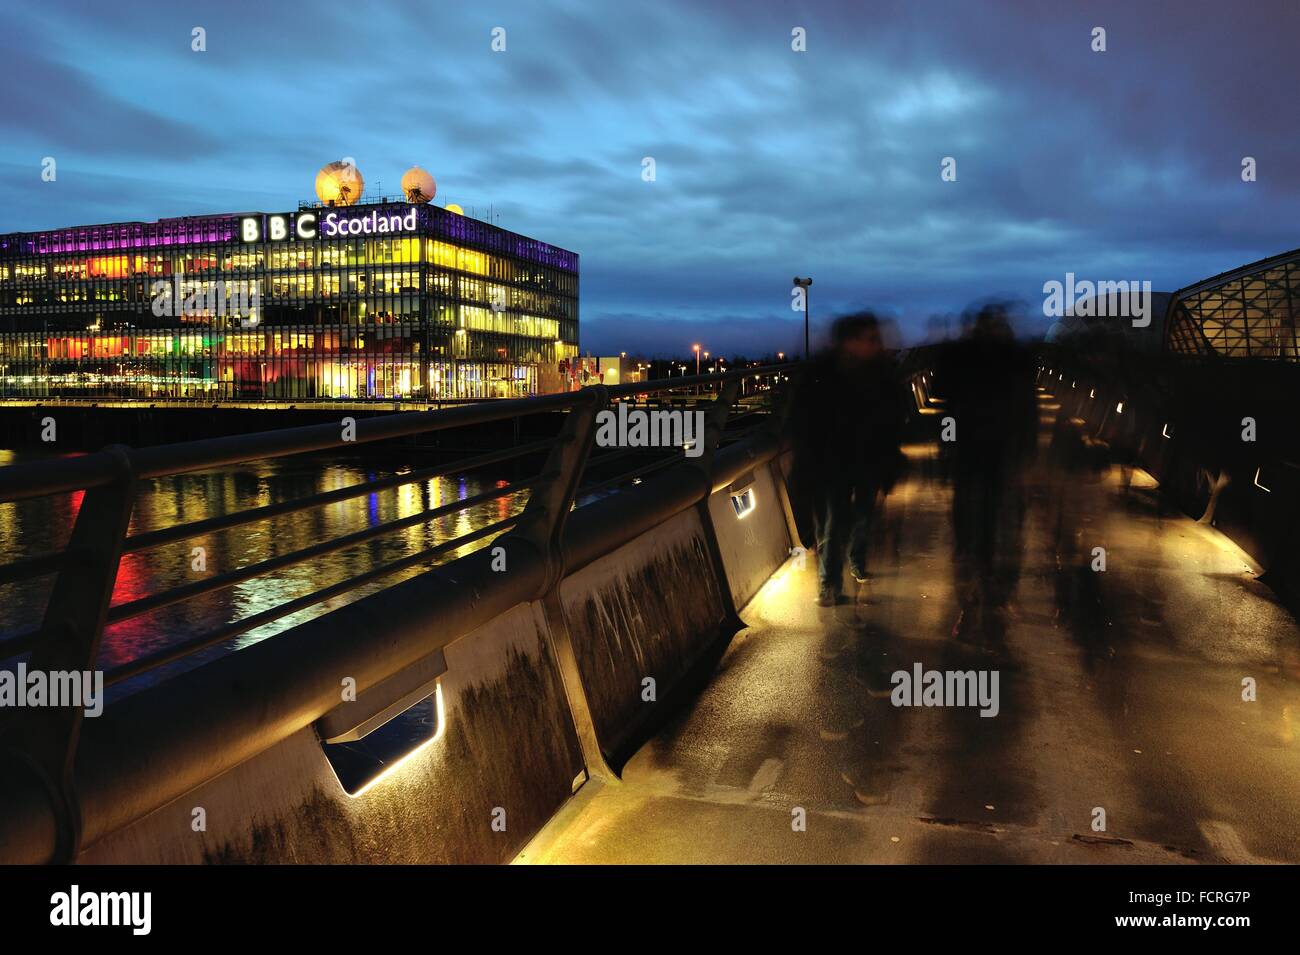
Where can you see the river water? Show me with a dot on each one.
(33, 527)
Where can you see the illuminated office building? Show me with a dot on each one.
(382, 300)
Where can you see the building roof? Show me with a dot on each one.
(224, 227)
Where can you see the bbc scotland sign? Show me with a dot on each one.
(311, 224)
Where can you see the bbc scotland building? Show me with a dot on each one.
(379, 300)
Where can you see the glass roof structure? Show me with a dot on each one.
(1250, 312)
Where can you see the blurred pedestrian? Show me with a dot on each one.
(987, 382)
(845, 428)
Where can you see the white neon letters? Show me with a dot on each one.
(307, 225)
(371, 224)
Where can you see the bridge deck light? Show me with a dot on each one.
(743, 503)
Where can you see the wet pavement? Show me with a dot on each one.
(1121, 734)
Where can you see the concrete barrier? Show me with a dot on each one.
(504, 760)
(1188, 445)
(651, 582)
(753, 546)
(642, 619)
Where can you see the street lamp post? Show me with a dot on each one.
(804, 284)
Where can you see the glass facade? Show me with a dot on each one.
(1250, 312)
(412, 301)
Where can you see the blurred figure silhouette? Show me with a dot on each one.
(1077, 464)
(987, 381)
(845, 428)
(889, 519)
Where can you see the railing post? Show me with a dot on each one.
(70, 636)
(542, 526)
(542, 522)
(715, 421)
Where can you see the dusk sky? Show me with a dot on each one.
(769, 162)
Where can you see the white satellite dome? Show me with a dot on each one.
(339, 184)
(418, 185)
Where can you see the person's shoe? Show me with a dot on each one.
(861, 576)
(827, 597)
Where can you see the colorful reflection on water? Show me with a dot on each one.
(37, 526)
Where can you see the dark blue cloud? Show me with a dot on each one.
(1123, 164)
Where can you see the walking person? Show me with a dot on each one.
(987, 382)
(845, 429)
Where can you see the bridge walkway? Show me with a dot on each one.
(1119, 691)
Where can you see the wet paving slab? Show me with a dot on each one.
(1121, 733)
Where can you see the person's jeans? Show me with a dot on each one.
(843, 523)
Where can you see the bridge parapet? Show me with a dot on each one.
(535, 647)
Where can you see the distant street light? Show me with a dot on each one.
(697, 359)
(804, 284)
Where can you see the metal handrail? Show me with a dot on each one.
(189, 647)
(44, 478)
(134, 608)
(540, 551)
(177, 532)
(21, 481)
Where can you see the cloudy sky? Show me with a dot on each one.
(768, 162)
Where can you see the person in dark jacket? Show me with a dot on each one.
(991, 415)
(845, 429)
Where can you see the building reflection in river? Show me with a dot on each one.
(40, 525)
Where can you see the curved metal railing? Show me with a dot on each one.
(111, 477)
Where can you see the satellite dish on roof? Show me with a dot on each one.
(418, 185)
(339, 184)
